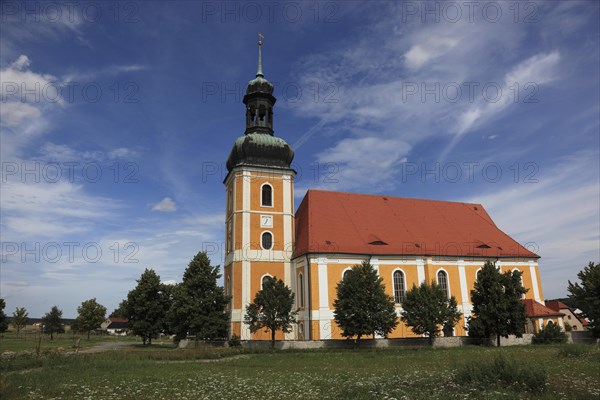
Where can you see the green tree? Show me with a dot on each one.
(91, 315)
(587, 295)
(3, 319)
(147, 306)
(362, 307)
(52, 322)
(428, 310)
(551, 333)
(497, 306)
(198, 306)
(120, 311)
(20, 318)
(271, 309)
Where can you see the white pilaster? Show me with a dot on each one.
(245, 330)
(534, 282)
(420, 270)
(324, 324)
(464, 289)
(375, 263)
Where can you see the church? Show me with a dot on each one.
(408, 241)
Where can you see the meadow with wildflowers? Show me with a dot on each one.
(163, 372)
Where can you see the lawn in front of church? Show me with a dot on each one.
(401, 373)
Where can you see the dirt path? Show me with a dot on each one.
(205, 360)
(106, 346)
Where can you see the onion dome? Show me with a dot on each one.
(258, 146)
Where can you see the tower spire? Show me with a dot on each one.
(259, 71)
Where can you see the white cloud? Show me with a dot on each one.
(558, 216)
(433, 47)
(52, 152)
(165, 205)
(123, 153)
(538, 70)
(372, 85)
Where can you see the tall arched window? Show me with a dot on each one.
(266, 240)
(264, 281)
(520, 279)
(346, 273)
(442, 278)
(398, 286)
(300, 290)
(266, 195)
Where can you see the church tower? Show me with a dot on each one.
(259, 233)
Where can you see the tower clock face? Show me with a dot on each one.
(266, 221)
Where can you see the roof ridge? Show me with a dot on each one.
(392, 197)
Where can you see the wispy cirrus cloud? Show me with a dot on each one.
(557, 215)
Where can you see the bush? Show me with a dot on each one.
(475, 328)
(551, 333)
(234, 341)
(503, 373)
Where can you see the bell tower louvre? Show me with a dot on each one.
(260, 205)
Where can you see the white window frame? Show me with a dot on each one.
(272, 195)
(394, 283)
(448, 288)
(272, 240)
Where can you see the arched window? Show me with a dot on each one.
(266, 195)
(264, 280)
(345, 274)
(300, 290)
(442, 278)
(520, 279)
(266, 240)
(398, 286)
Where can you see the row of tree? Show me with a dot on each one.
(90, 316)
(198, 306)
(363, 308)
(195, 307)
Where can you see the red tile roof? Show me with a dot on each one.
(533, 309)
(556, 305)
(337, 222)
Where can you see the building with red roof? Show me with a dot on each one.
(407, 240)
(538, 316)
(572, 321)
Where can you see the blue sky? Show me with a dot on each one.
(117, 119)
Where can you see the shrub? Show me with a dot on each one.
(234, 341)
(551, 333)
(503, 373)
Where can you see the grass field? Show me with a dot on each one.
(162, 372)
(10, 341)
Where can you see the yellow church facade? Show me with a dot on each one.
(408, 241)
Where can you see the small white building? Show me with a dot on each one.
(115, 326)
